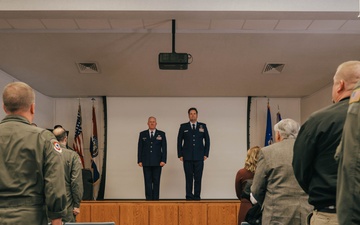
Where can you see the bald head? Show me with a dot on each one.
(18, 96)
(345, 79)
(349, 72)
(60, 134)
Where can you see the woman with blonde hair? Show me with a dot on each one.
(243, 176)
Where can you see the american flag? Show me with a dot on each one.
(78, 139)
(94, 150)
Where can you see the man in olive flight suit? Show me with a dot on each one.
(73, 176)
(348, 155)
(30, 164)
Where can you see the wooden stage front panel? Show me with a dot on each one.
(181, 212)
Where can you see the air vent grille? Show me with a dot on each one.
(88, 67)
(273, 68)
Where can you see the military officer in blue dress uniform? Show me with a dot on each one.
(193, 145)
(152, 157)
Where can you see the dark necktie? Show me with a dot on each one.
(152, 134)
(193, 125)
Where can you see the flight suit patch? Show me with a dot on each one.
(159, 138)
(355, 96)
(57, 146)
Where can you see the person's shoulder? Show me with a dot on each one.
(202, 124)
(68, 151)
(270, 149)
(46, 134)
(144, 132)
(161, 132)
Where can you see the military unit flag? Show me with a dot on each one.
(94, 151)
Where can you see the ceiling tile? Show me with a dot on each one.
(351, 25)
(26, 23)
(126, 24)
(158, 24)
(227, 24)
(293, 24)
(326, 24)
(66, 24)
(93, 24)
(198, 24)
(260, 24)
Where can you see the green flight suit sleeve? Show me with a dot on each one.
(76, 180)
(54, 184)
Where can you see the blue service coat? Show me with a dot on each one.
(152, 151)
(193, 145)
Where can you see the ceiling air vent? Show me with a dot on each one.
(273, 68)
(88, 67)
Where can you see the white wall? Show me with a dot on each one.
(44, 106)
(225, 119)
(288, 108)
(316, 101)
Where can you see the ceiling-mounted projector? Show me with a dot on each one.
(173, 60)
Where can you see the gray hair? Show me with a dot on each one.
(287, 128)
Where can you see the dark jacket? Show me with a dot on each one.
(314, 165)
(152, 151)
(193, 145)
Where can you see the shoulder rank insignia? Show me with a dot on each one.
(355, 96)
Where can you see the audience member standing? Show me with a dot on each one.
(274, 185)
(30, 164)
(193, 146)
(244, 176)
(152, 153)
(348, 155)
(73, 176)
(314, 164)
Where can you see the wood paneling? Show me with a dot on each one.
(192, 214)
(211, 212)
(164, 214)
(134, 214)
(105, 212)
(85, 213)
(222, 214)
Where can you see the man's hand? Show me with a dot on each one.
(205, 158)
(181, 159)
(162, 164)
(140, 164)
(76, 211)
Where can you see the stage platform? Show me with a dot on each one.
(162, 212)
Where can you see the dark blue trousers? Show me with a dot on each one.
(193, 175)
(152, 182)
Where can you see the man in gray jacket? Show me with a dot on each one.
(275, 186)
